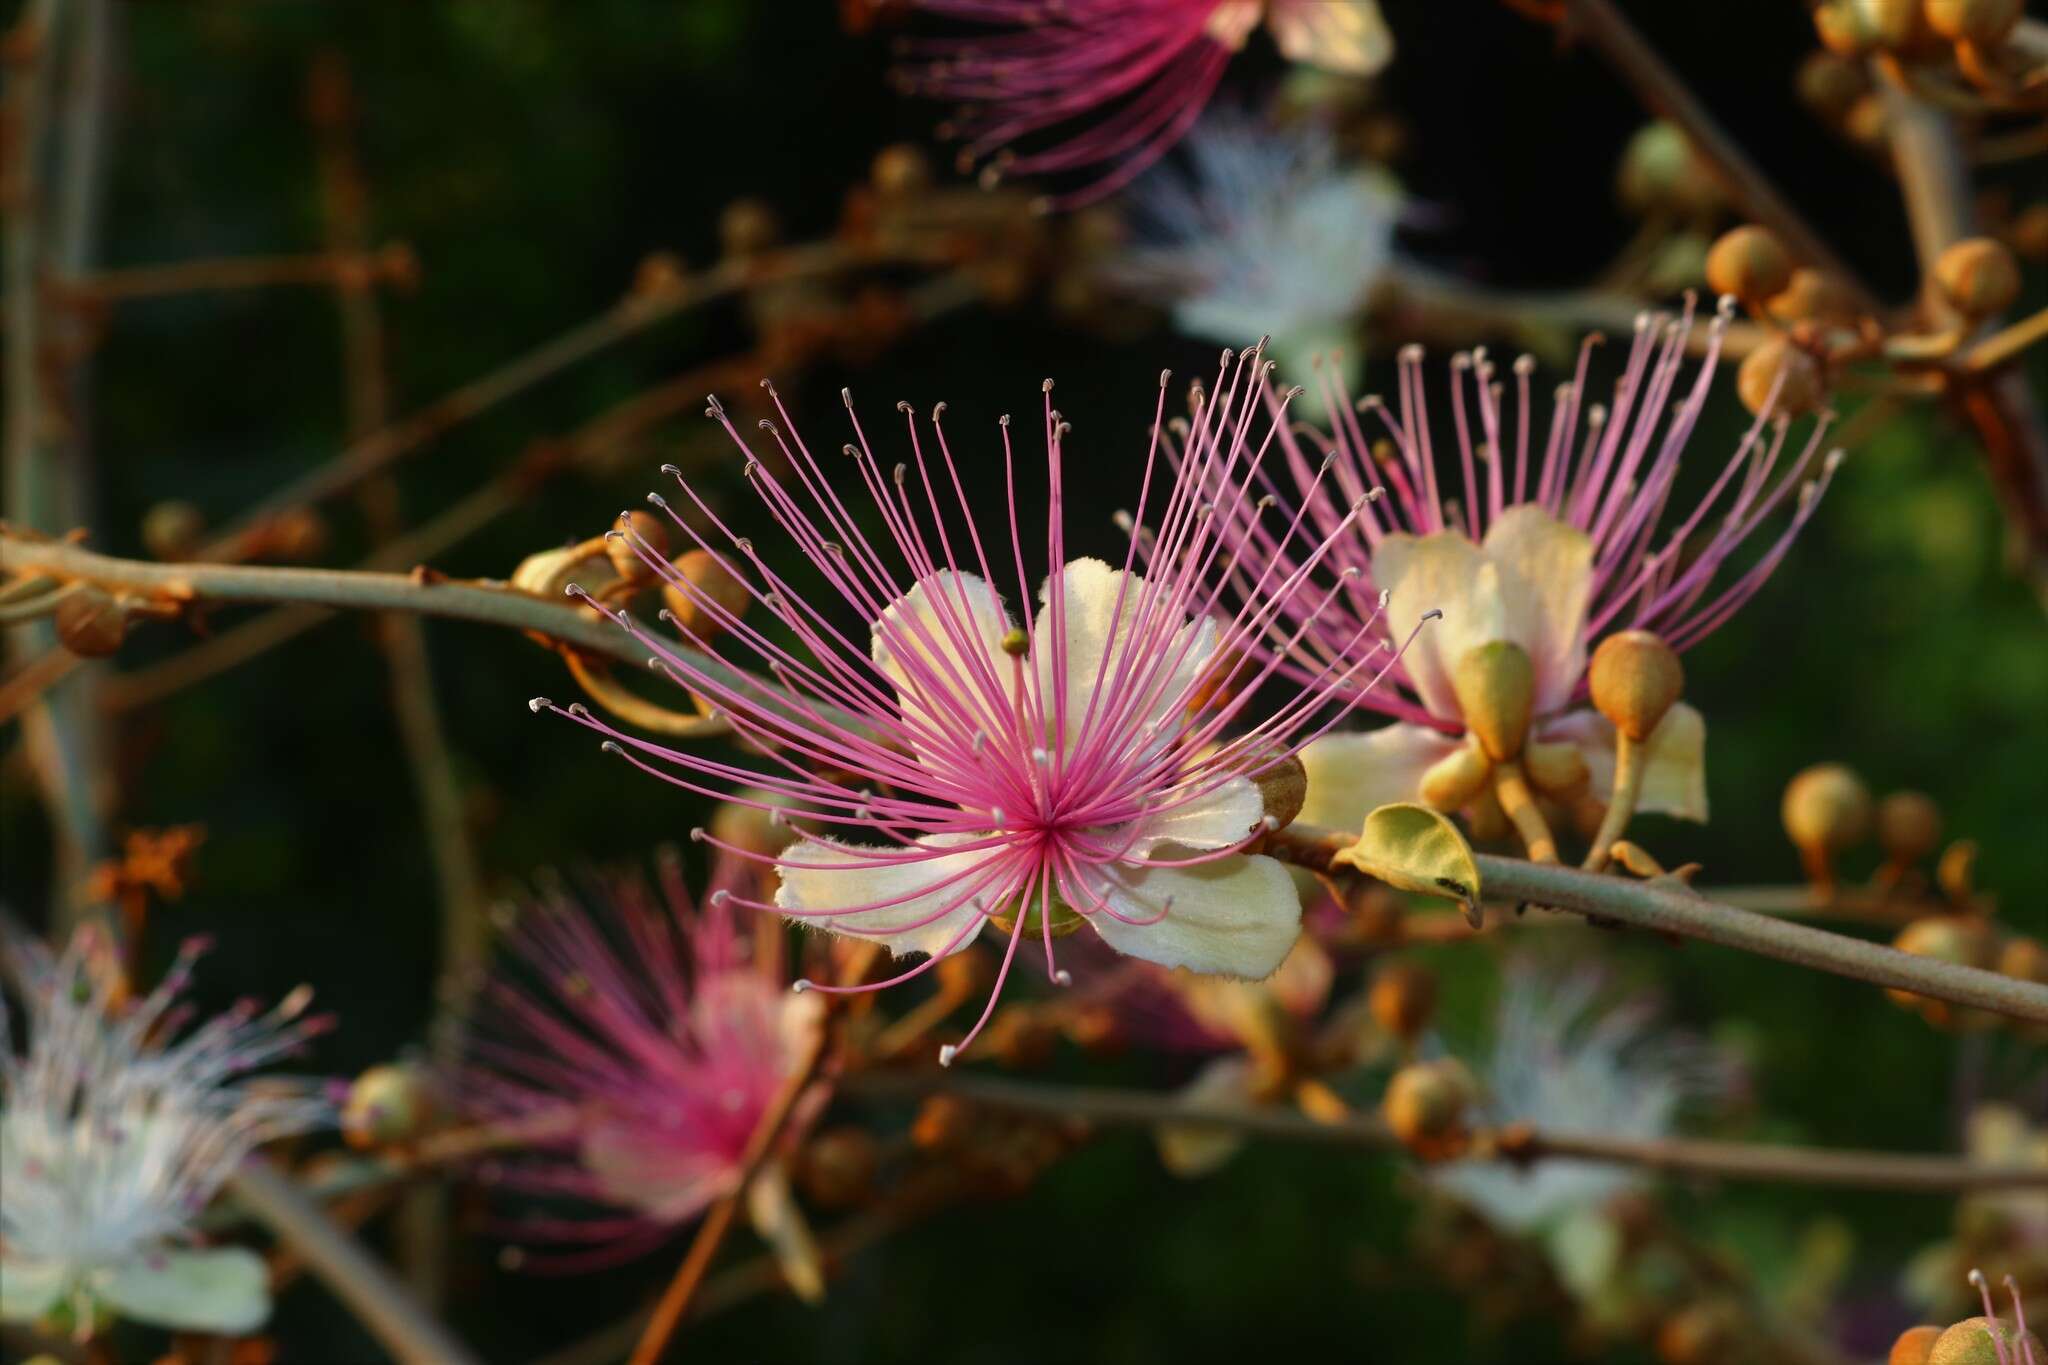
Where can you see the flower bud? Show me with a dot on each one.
(1826, 807)
(837, 1170)
(1750, 263)
(1978, 277)
(2025, 959)
(1799, 390)
(1811, 295)
(1983, 22)
(701, 569)
(385, 1104)
(1983, 1341)
(1908, 826)
(1456, 778)
(747, 228)
(548, 574)
(1913, 1346)
(1283, 788)
(1967, 941)
(1830, 84)
(1555, 767)
(90, 623)
(1403, 999)
(1635, 678)
(1495, 686)
(1426, 1104)
(659, 273)
(901, 169)
(171, 530)
(626, 562)
(1661, 170)
(1852, 28)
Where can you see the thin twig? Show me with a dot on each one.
(385, 1306)
(1725, 1160)
(325, 269)
(1647, 906)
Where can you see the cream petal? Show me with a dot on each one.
(941, 644)
(820, 876)
(1350, 775)
(226, 1290)
(1444, 572)
(1192, 1150)
(29, 1288)
(1235, 916)
(1546, 583)
(637, 1170)
(1217, 818)
(1675, 778)
(1103, 612)
(772, 1209)
(1348, 37)
(1232, 21)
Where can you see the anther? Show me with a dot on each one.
(769, 385)
(938, 411)
(800, 985)
(1045, 387)
(539, 704)
(1063, 977)
(947, 1053)
(657, 500)
(903, 406)
(720, 896)
(578, 709)
(673, 471)
(696, 834)
(609, 747)
(846, 397)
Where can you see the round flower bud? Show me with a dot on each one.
(1983, 1341)
(171, 530)
(1811, 295)
(1635, 679)
(701, 569)
(748, 227)
(90, 623)
(1456, 778)
(1798, 392)
(385, 1104)
(1558, 767)
(838, 1167)
(1852, 28)
(626, 561)
(1283, 788)
(547, 575)
(2025, 959)
(1496, 685)
(658, 273)
(1830, 83)
(1967, 941)
(1426, 1104)
(1660, 169)
(1750, 263)
(1403, 999)
(1984, 22)
(901, 169)
(1908, 826)
(1826, 807)
(1913, 1346)
(1978, 277)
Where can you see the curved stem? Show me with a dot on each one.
(1666, 911)
(1511, 785)
(1629, 764)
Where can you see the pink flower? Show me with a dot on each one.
(1153, 63)
(635, 1047)
(1068, 768)
(1545, 535)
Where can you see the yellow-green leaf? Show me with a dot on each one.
(1414, 848)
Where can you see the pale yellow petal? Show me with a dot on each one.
(226, 1290)
(1351, 775)
(823, 882)
(1675, 779)
(1348, 37)
(1235, 916)
(1546, 584)
(941, 644)
(1439, 572)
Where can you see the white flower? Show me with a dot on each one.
(112, 1139)
(1263, 233)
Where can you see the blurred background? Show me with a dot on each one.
(531, 157)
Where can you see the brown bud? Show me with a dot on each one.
(1978, 277)
(90, 623)
(1426, 1104)
(710, 580)
(1811, 296)
(385, 1104)
(652, 535)
(1830, 83)
(2025, 959)
(1869, 121)
(1799, 391)
(1635, 679)
(1983, 1341)
(1750, 263)
(1852, 28)
(1908, 826)
(1495, 685)
(1555, 767)
(1403, 999)
(294, 535)
(1984, 22)
(2029, 232)
(837, 1170)
(658, 273)
(748, 227)
(1913, 1346)
(1283, 787)
(901, 169)
(1826, 807)
(1455, 779)
(1967, 941)
(171, 530)
(548, 574)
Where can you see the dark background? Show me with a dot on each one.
(532, 153)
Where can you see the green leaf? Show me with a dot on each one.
(1414, 848)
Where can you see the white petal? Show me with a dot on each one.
(1215, 819)
(941, 644)
(820, 877)
(1235, 916)
(225, 1290)
(29, 1288)
(1108, 612)
(1546, 582)
(1675, 780)
(1345, 36)
(1191, 1150)
(774, 1213)
(1439, 572)
(1351, 775)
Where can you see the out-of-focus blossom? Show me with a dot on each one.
(1566, 1056)
(634, 1046)
(1545, 536)
(1072, 768)
(113, 1138)
(1117, 82)
(1263, 233)
(2003, 1231)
